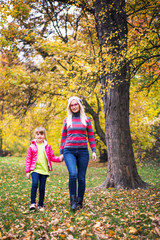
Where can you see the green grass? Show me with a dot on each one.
(107, 213)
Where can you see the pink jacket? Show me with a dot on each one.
(32, 154)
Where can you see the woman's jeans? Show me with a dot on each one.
(76, 161)
(41, 179)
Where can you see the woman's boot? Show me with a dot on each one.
(73, 202)
(79, 203)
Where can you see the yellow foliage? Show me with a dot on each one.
(77, 68)
(144, 112)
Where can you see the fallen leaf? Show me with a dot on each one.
(132, 230)
(111, 233)
(83, 234)
(70, 237)
(63, 236)
(72, 229)
(97, 225)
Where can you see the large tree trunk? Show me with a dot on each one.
(122, 171)
(112, 33)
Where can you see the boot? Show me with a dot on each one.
(73, 202)
(79, 203)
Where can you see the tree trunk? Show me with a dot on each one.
(101, 142)
(96, 120)
(112, 33)
(122, 171)
(103, 156)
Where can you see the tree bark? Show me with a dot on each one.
(111, 28)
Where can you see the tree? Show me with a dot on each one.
(114, 75)
(144, 118)
(144, 39)
(111, 27)
(112, 30)
(99, 132)
(47, 50)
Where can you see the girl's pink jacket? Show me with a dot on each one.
(32, 154)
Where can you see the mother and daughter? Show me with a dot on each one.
(73, 149)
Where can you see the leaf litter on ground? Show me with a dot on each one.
(107, 213)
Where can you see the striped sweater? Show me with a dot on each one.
(76, 136)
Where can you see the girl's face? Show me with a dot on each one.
(40, 137)
(74, 106)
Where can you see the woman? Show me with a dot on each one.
(76, 128)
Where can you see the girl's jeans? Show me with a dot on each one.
(36, 177)
(76, 161)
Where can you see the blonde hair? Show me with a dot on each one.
(83, 116)
(41, 130)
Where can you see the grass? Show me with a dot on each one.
(107, 213)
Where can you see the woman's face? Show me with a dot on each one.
(74, 106)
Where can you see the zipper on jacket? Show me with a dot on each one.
(47, 156)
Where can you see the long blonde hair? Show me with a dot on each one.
(83, 116)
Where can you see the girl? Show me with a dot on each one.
(38, 164)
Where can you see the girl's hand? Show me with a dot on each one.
(28, 175)
(61, 157)
(94, 156)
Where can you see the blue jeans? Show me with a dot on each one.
(41, 179)
(76, 161)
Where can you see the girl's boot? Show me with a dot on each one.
(79, 202)
(73, 202)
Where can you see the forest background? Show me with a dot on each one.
(50, 51)
(45, 59)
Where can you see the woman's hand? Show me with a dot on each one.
(61, 157)
(28, 175)
(94, 156)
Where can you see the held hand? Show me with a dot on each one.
(61, 157)
(94, 156)
(28, 175)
